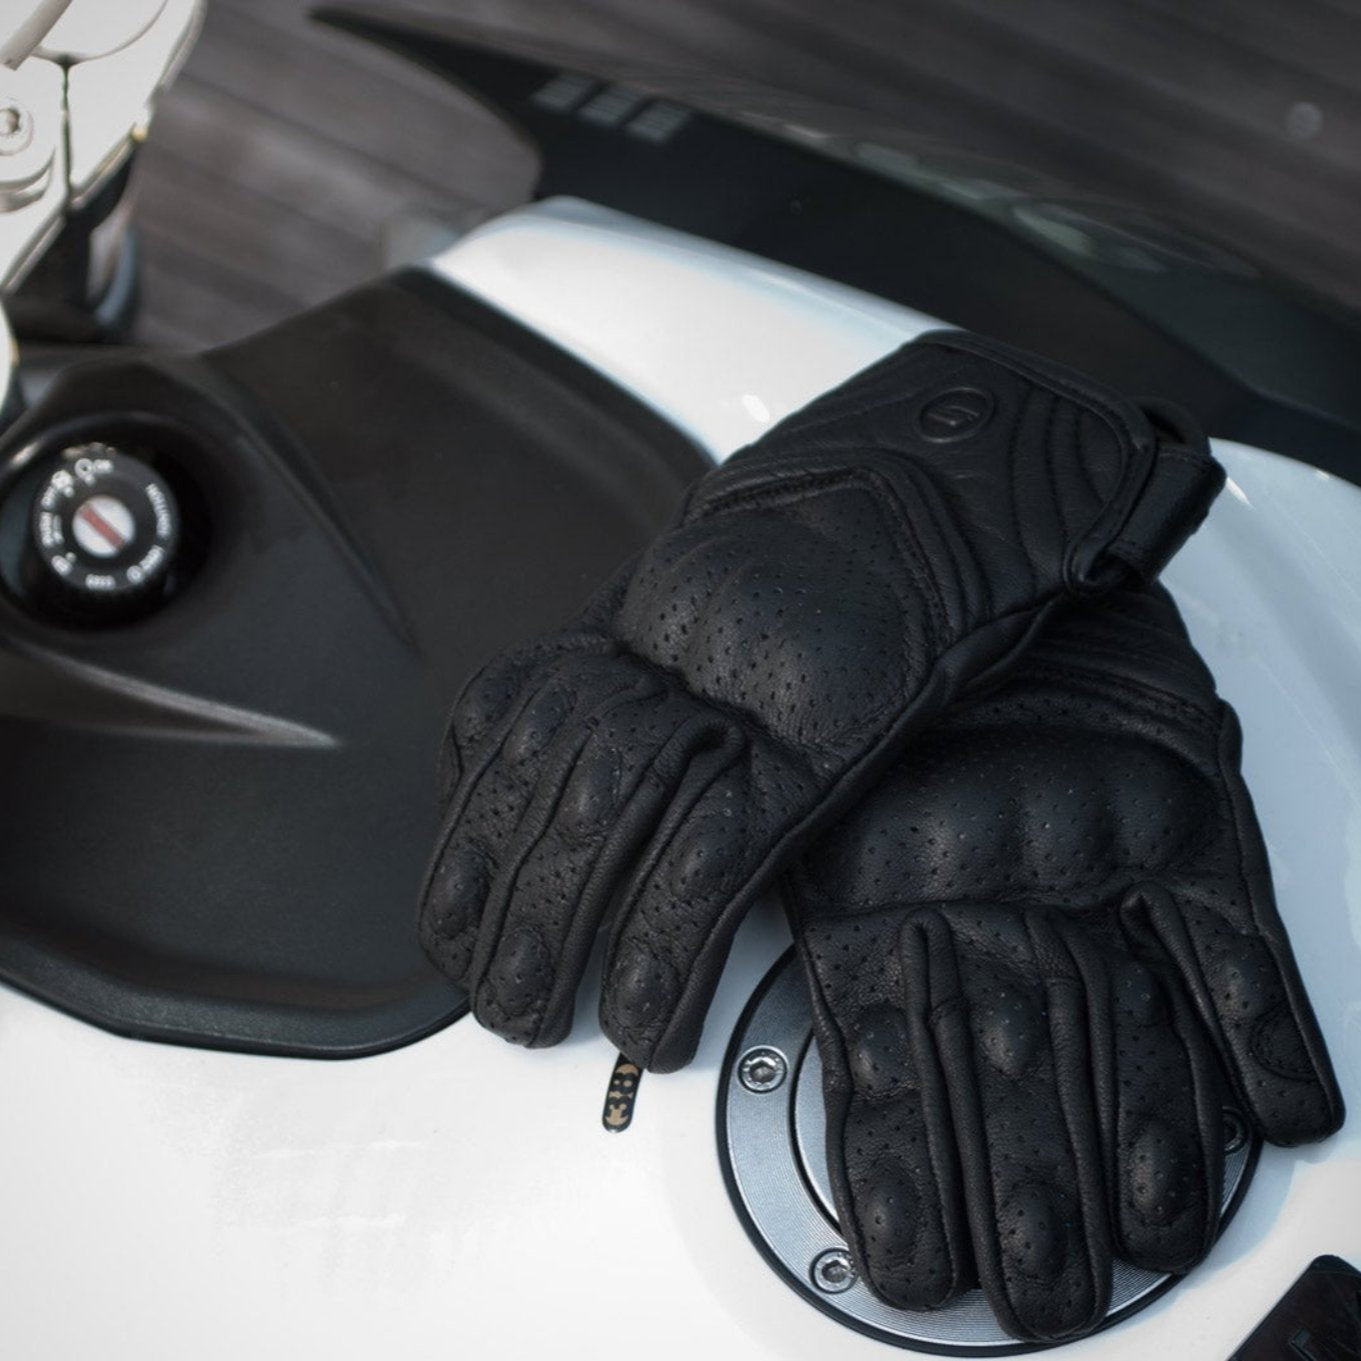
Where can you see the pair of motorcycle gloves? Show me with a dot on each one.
(904, 658)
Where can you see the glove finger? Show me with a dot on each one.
(715, 852)
(504, 724)
(1013, 1046)
(696, 878)
(598, 798)
(1249, 996)
(1161, 1099)
(484, 701)
(891, 1148)
(1220, 926)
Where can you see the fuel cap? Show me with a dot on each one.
(772, 1141)
(105, 527)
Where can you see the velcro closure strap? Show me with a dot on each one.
(1181, 487)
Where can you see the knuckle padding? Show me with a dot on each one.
(557, 874)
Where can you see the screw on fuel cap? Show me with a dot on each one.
(104, 529)
(773, 1147)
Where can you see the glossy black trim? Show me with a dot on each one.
(1137, 303)
(1317, 1319)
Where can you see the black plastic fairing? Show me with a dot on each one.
(217, 817)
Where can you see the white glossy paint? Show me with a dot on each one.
(459, 1197)
(723, 342)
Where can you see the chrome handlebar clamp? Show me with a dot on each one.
(78, 84)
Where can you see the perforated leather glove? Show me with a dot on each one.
(824, 594)
(1044, 956)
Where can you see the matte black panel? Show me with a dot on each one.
(217, 816)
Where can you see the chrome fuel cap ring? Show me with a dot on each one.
(772, 1143)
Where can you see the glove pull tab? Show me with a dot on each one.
(1182, 483)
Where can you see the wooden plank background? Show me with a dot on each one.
(286, 155)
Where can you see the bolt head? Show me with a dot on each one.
(16, 128)
(832, 1271)
(762, 1069)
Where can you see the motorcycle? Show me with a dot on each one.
(240, 589)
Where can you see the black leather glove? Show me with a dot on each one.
(1044, 956)
(824, 594)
